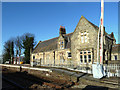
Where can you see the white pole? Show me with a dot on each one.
(102, 18)
(98, 45)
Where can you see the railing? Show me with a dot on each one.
(71, 65)
(112, 70)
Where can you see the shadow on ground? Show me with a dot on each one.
(24, 79)
(90, 87)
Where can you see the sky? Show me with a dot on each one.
(43, 19)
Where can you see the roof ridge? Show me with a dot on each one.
(69, 33)
(37, 44)
(56, 37)
(49, 39)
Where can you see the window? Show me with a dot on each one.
(81, 52)
(69, 54)
(89, 58)
(85, 58)
(115, 57)
(82, 40)
(81, 33)
(89, 52)
(84, 37)
(33, 57)
(61, 44)
(84, 52)
(81, 59)
(85, 33)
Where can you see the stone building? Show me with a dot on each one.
(80, 46)
(115, 55)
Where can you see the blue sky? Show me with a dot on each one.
(44, 19)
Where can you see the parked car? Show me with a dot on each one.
(7, 62)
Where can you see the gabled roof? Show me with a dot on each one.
(50, 44)
(111, 36)
(46, 45)
(94, 26)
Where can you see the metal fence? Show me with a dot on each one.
(70, 65)
(112, 70)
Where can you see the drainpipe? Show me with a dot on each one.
(43, 58)
(54, 57)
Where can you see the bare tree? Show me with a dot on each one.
(18, 46)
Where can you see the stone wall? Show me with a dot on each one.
(48, 57)
(76, 43)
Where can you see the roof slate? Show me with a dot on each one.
(50, 44)
(116, 48)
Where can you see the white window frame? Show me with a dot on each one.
(82, 59)
(85, 38)
(87, 57)
(67, 55)
(61, 45)
(82, 39)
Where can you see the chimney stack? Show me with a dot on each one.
(62, 30)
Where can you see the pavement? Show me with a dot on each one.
(74, 74)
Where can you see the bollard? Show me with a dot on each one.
(20, 68)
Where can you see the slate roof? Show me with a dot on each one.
(51, 44)
(116, 48)
(111, 36)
